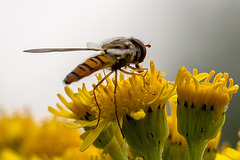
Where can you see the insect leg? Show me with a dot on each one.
(94, 88)
(115, 103)
(137, 74)
(138, 69)
(104, 72)
(144, 82)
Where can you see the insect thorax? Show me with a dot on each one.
(122, 61)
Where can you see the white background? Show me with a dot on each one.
(198, 34)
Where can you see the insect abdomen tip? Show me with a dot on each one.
(66, 81)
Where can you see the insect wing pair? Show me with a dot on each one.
(116, 54)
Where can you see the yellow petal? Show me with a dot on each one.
(117, 131)
(84, 123)
(92, 136)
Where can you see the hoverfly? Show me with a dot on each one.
(119, 53)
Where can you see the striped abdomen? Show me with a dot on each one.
(88, 67)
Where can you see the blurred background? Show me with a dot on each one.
(198, 34)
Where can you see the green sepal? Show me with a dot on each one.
(198, 125)
(148, 135)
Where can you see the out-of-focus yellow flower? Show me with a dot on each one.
(238, 143)
(228, 154)
(10, 154)
(175, 146)
(91, 153)
(52, 139)
(211, 149)
(22, 139)
(173, 133)
(14, 129)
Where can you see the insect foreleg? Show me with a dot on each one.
(94, 94)
(138, 69)
(137, 74)
(144, 82)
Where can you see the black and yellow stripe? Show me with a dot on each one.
(91, 65)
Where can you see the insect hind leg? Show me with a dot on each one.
(94, 94)
(115, 103)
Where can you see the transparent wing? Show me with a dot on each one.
(120, 51)
(46, 50)
(93, 45)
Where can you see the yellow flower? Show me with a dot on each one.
(10, 154)
(133, 96)
(12, 132)
(174, 135)
(201, 107)
(80, 107)
(228, 154)
(204, 95)
(175, 146)
(136, 98)
(91, 154)
(50, 140)
(238, 143)
(211, 149)
(22, 138)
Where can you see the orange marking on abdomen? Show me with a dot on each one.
(88, 67)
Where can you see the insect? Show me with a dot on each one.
(119, 53)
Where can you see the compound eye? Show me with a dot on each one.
(142, 48)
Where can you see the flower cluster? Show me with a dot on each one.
(133, 121)
(21, 138)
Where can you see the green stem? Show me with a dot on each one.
(152, 154)
(196, 149)
(119, 155)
